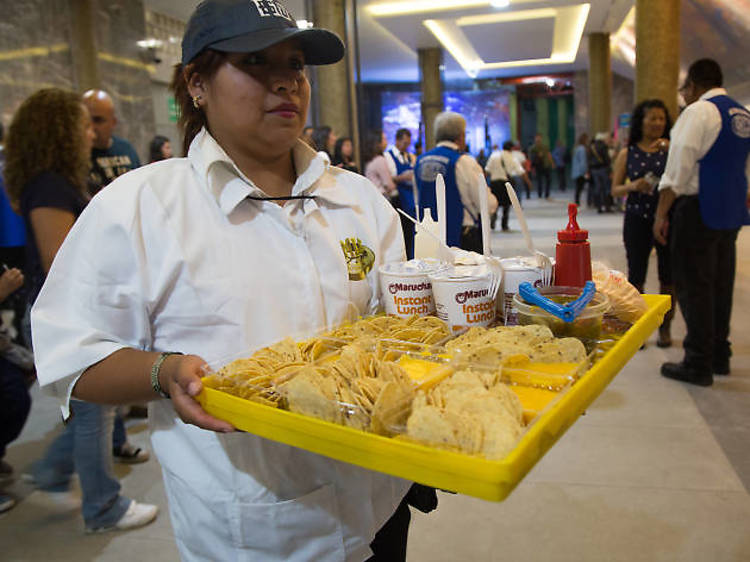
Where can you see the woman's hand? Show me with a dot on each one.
(10, 281)
(180, 376)
(641, 185)
(660, 144)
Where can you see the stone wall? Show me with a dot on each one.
(35, 39)
(40, 44)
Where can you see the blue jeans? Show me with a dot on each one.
(119, 435)
(85, 447)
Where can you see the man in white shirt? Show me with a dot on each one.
(462, 175)
(502, 167)
(705, 184)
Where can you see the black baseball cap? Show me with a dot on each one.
(245, 26)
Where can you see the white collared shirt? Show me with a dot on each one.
(468, 171)
(174, 256)
(692, 136)
(500, 164)
(403, 158)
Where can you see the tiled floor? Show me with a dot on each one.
(654, 470)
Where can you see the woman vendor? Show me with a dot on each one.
(252, 237)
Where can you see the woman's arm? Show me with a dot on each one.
(124, 377)
(10, 281)
(378, 173)
(619, 186)
(50, 227)
(386, 180)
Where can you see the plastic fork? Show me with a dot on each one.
(543, 261)
(497, 275)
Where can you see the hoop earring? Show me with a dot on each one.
(197, 102)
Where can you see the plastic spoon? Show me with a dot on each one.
(440, 197)
(542, 260)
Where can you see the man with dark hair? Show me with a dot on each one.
(401, 165)
(111, 156)
(706, 185)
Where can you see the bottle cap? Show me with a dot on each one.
(572, 232)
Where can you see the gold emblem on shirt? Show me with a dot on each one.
(359, 258)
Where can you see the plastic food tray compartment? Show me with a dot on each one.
(443, 469)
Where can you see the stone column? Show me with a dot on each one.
(431, 82)
(600, 83)
(124, 69)
(83, 47)
(336, 104)
(513, 116)
(657, 51)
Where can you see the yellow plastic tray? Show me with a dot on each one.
(465, 474)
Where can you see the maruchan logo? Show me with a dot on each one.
(461, 298)
(394, 288)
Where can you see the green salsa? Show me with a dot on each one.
(585, 329)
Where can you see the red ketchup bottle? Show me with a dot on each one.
(573, 254)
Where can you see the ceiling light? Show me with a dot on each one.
(499, 3)
(456, 44)
(521, 15)
(566, 40)
(420, 6)
(149, 43)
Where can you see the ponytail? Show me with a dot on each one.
(193, 119)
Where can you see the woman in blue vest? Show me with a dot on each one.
(636, 173)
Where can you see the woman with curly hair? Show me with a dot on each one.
(47, 151)
(636, 175)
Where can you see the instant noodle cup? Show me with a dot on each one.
(463, 296)
(406, 288)
(516, 271)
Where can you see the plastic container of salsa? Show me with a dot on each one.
(587, 327)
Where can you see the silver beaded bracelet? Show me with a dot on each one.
(155, 368)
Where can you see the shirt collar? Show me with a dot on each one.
(229, 186)
(713, 92)
(448, 144)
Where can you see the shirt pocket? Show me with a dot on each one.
(304, 528)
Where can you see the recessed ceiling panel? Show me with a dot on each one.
(516, 40)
